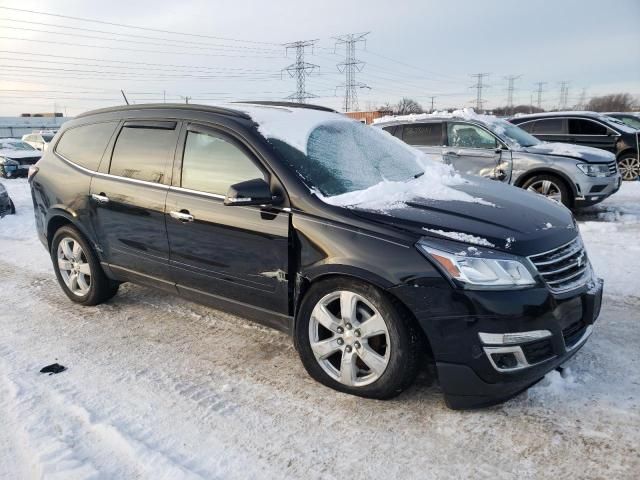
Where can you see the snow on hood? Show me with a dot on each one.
(294, 126)
(8, 149)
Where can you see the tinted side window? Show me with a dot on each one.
(423, 134)
(527, 126)
(549, 125)
(391, 129)
(579, 126)
(469, 136)
(85, 145)
(212, 164)
(143, 153)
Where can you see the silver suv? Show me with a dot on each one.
(485, 145)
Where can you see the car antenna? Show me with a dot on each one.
(124, 96)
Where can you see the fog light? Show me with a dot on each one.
(505, 360)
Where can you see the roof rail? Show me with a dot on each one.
(288, 104)
(181, 106)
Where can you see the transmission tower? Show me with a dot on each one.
(479, 86)
(540, 85)
(582, 102)
(300, 69)
(564, 95)
(511, 79)
(350, 67)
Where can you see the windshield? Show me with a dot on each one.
(631, 121)
(345, 156)
(512, 134)
(15, 144)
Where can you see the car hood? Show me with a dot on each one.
(9, 153)
(510, 219)
(579, 152)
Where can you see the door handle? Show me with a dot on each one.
(100, 198)
(183, 216)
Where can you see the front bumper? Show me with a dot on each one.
(452, 320)
(592, 190)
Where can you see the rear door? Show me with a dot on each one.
(236, 252)
(426, 137)
(591, 133)
(474, 150)
(128, 202)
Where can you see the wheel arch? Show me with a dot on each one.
(59, 218)
(522, 179)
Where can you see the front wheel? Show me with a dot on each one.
(12, 207)
(353, 338)
(78, 270)
(629, 166)
(552, 187)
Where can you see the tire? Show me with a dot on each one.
(12, 208)
(555, 187)
(629, 166)
(398, 345)
(91, 285)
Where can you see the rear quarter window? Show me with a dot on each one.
(425, 134)
(85, 145)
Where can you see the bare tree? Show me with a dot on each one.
(616, 102)
(506, 111)
(406, 106)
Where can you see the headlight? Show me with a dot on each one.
(594, 169)
(480, 268)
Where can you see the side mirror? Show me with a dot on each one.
(250, 192)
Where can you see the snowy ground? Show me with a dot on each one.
(158, 387)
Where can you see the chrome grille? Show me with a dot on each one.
(563, 268)
(613, 168)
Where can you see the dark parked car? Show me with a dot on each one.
(6, 204)
(591, 129)
(298, 217)
(16, 157)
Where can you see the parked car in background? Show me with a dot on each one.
(484, 145)
(16, 157)
(6, 204)
(39, 141)
(371, 256)
(631, 119)
(590, 129)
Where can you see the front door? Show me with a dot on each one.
(129, 202)
(475, 151)
(592, 134)
(235, 252)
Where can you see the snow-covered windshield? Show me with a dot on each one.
(11, 144)
(512, 134)
(345, 156)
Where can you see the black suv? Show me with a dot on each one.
(591, 129)
(371, 256)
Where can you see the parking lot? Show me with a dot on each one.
(158, 387)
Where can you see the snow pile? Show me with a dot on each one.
(462, 237)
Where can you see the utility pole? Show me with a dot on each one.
(350, 67)
(432, 102)
(479, 86)
(511, 79)
(564, 95)
(300, 69)
(540, 85)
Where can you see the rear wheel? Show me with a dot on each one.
(353, 338)
(629, 166)
(552, 187)
(78, 269)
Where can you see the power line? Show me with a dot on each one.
(539, 91)
(511, 79)
(349, 67)
(300, 69)
(124, 25)
(479, 86)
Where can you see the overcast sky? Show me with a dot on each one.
(415, 48)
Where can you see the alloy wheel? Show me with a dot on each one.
(349, 338)
(629, 168)
(74, 267)
(547, 188)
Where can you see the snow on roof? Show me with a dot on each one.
(465, 113)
